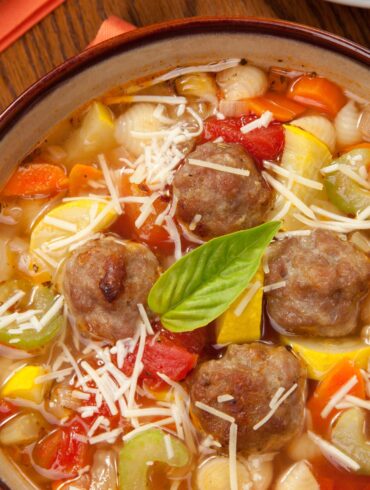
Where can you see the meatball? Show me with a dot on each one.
(326, 278)
(252, 374)
(226, 202)
(103, 282)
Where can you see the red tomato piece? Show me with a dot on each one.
(155, 236)
(163, 357)
(6, 411)
(194, 341)
(63, 450)
(262, 143)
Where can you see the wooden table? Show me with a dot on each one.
(74, 24)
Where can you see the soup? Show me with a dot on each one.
(184, 288)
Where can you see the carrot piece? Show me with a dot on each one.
(282, 108)
(336, 378)
(317, 92)
(355, 147)
(36, 179)
(80, 176)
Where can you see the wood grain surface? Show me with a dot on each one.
(74, 24)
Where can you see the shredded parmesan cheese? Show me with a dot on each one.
(232, 457)
(262, 122)
(217, 166)
(224, 398)
(333, 453)
(215, 412)
(275, 406)
(275, 285)
(247, 298)
(111, 187)
(338, 396)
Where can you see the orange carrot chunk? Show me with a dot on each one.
(317, 92)
(36, 179)
(282, 108)
(80, 176)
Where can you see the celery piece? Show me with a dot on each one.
(349, 436)
(148, 446)
(348, 195)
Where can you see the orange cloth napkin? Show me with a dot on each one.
(113, 26)
(17, 16)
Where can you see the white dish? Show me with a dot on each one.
(353, 3)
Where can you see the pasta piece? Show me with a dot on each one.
(347, 125)
(364, 124)
(301, 447)
(139, 118)
(297, 476)
(201, 85)
(242, 82)
(214, 474)
(320, 127)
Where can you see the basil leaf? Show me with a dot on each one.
(203, 284)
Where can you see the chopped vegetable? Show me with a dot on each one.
(38, 298)
(104, 470)
(349, 196)
(238, 327)
(335, 379)
(7, 410)
(36, 179)
(214, 474)
(355, 147)
(204, 283)
(23, 384)
(75, 217)
(265, 143)
(282, 108)
(317, 92)
(63, 449)
(95, 134)
(321, 355)
(297, 476)
(154, 235)
(149, 446)
(161, 357)
(22, 429)
(349, 436)
(79, 178)
(304, 155)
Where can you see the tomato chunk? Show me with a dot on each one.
(331, 477)
(335, 379)
(194, 341)
(262, 143)
(163, 357)
(63, 449)
(156, 236)
(319, 93)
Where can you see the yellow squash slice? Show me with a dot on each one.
(305, 155)
(22, 384)
(231, 328)
(65, 226)
(320, 355)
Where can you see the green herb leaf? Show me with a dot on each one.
(204, 283)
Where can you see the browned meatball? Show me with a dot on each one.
(325, 280)
(251, 374)
(226, 202)
(103, 282)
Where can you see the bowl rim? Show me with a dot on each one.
(178, 27)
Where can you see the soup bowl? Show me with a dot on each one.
(146, 51)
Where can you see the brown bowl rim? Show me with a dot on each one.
(179, 27)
